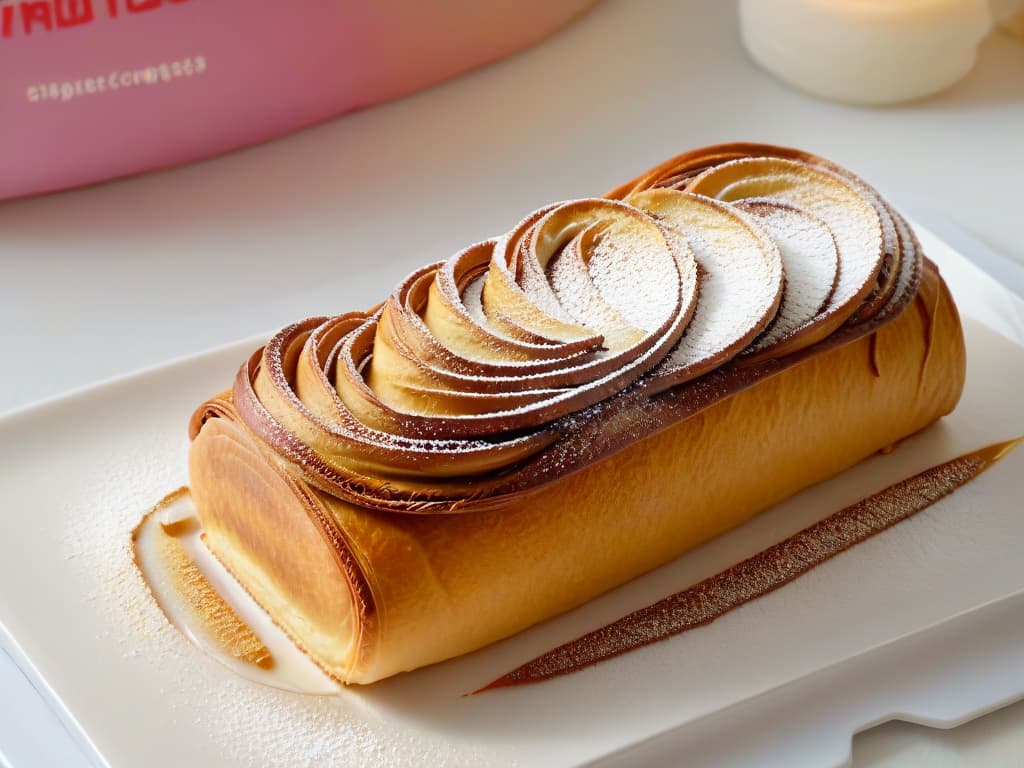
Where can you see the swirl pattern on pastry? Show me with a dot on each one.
(479, 375)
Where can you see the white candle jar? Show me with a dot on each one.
(866, 51)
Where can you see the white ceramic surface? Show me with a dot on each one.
(79, 472)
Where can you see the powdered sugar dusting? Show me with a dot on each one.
(534, 282)
(733, 300)
(598, 255)
(573, 285)
(853, 220)
(742, 278)
(472, 300)
(858, 236)
(811, 263)
(503, 370)
(910, 267)
(636, 276)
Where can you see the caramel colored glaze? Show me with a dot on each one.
(763, 573)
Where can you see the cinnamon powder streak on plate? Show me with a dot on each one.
(763, 573)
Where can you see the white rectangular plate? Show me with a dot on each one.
(857, 640)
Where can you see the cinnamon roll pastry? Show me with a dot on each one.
(552, 412)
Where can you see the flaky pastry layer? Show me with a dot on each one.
(371, 593)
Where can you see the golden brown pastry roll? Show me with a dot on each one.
(551, 413)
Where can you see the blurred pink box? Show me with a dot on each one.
(95, 89)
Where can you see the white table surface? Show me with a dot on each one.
(99, 282)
